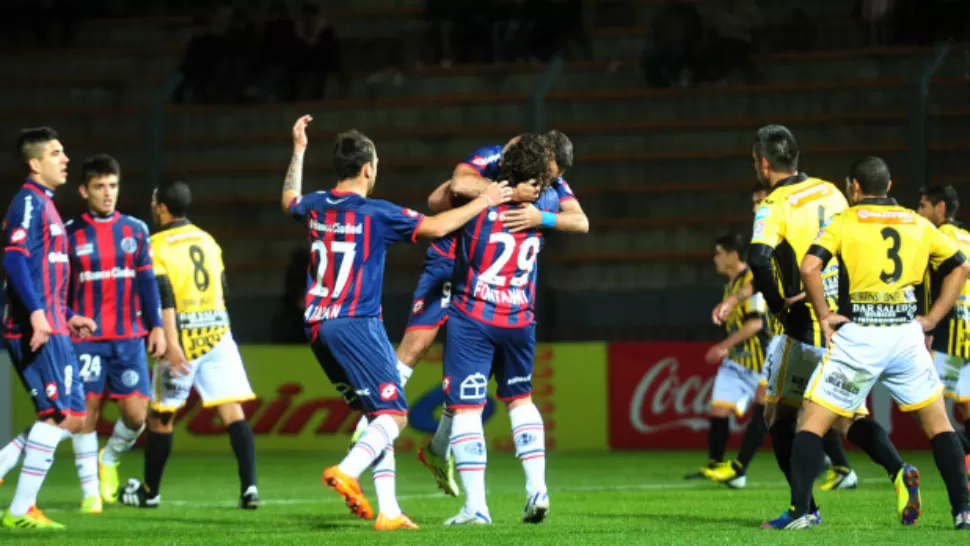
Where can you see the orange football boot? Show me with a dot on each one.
(385, 523)
(349, 489)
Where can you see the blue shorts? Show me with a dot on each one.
(118, 368)
(51, 375)
(429, 306)
(474, 351)
(359, 359)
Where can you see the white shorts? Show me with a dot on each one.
(773, 353)
(734, 386)
(788, 369)
(955, 374)
(218, 376)
(860, 356)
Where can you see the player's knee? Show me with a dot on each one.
(720, 412)
(231, 413)
(414, 345)
(161, 422)
(770, 413)
(400, 420)
(73, 424)
(934, 419)
(843, 424)
(512, 404)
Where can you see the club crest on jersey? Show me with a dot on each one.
(759, 228)
(18, 235)
(85, 249)
(129, 245)
(763, 213)
(417, 307)
(492, 216)
(388, 392)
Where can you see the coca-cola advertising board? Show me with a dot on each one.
(659, 395)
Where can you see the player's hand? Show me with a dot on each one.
(716, 354)
(82, 326)
(929, 343)
(526, 192)
(497, 193)
(42, 330)
(300, 140)
(830, 324)
(722, 310)
(176, 360)
(156, 343)
(928, 326)
(525, 216)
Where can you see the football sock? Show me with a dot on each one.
(471, 455)
(872, 438)
(244, 446)
(832, 443)
(405, 372)
(384, 484)
(807, 457)
(86, 461)
(717, 436)
(380, 433)
(754, 436)
(158, 446)
(529, 437)
(10, 454)
(948, 455)
(782, 436)
(964, 438)
(38, 457)
(441, 441)
(121, 441)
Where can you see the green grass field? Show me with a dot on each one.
(628, 498)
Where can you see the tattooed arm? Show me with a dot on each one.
(293, 183)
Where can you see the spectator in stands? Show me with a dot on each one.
(877, 15)
(670, 56)
(320, 52)
(439, 41)
(279, 54)
(731, 27)
(200, 81)
(237, 48)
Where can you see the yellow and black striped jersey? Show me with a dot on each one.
(952, 335)
(191, 262)
(750, 353)
(774, 326)
(883, 252)
(788, 220)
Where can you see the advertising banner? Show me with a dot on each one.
(297, 409)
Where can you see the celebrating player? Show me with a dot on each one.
(491, 330)
(200, 350)
(38, 322)
(785, 225)
(349, 234)
(885, 249)
(950, 341)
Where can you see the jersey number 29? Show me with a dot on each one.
(348, 251)
(528, 251)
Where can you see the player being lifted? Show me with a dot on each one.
(349, 234)
(200, 349)
(950, 340)
(491, 330)
(37, 320)
(884, 250)
(785, 225)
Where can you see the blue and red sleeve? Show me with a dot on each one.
(21, 228)
(151, 306)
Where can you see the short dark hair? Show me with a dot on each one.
(562, 149)
(97, 166)
(777, 144)
(30, 140)
(351, 151)
(732, 242)
(872, 174)
(176, 196)
(527, 159)
(947, 194)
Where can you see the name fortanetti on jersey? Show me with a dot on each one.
(503, 296)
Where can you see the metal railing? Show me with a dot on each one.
(919, 95)
(536, 117)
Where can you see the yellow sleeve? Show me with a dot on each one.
(830, 238)
(755, 307)
(159, 258)
(769, 224)
(941, 247)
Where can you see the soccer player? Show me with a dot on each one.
(785, 225)
(38, 322)
(491, 330)
(950, 341)
(200, 349)
(349, 234)
(885, 249)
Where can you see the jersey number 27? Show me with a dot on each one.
(347, 251)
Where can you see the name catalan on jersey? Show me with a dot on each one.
(106, 256)
(495, 271)
(788, 221)
(349, 235)
(883, 251)
(751, 352)
(192, 261)
(952, 335)
(33, 227)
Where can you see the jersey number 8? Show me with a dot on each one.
(199, 273)
(526, 260)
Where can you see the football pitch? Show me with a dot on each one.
(625, 498)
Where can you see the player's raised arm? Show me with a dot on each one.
(442, 224)
(570, 218)
(440, 199)
(293, 183)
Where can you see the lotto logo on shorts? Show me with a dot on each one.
(50, 390)
(388, 392)
(417, 307)
(18, 235)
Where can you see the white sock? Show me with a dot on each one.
(120, 442)
(441, 442)
(38, 458)
(361, 425)
(405, 371)
(529, 437)
(10, 454)
(86, 461)
(471, 457)
(65, 435)
(384, 484)
(381, 433)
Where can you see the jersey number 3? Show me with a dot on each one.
(892, 254)
(526, 260)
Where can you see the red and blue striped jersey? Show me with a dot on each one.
(349, 235)
(34, 228)
(107, 254)
(495, 271)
